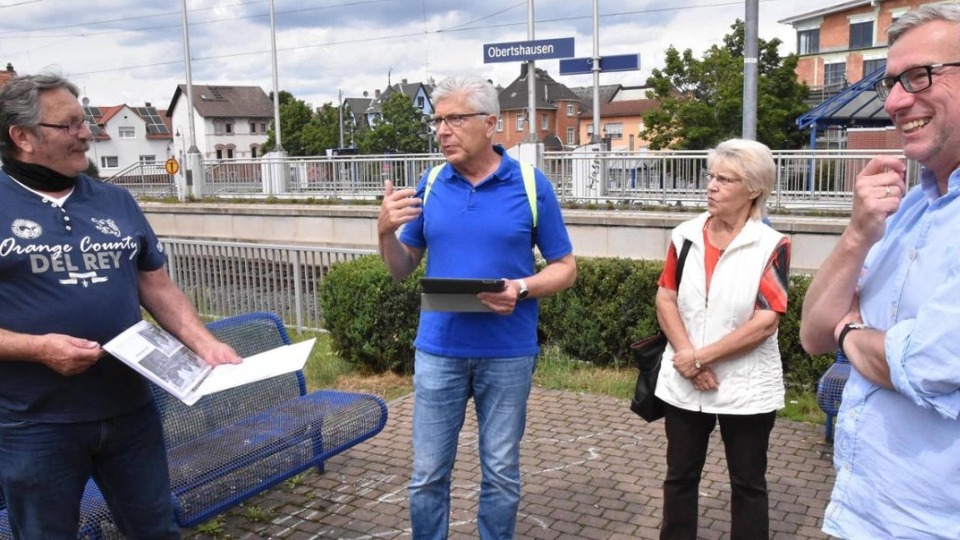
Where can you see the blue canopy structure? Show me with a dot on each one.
(856, 105)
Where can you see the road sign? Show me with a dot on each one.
(172, 166)
(524, 51)
(619, 62)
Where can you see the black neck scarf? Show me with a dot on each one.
(38, 177)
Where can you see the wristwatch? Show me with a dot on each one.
(523, 292)
(846, 330)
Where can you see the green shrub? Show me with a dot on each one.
(611, 305)
(372, 318)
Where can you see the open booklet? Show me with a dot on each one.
(162, 358)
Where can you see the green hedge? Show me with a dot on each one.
(372, 319)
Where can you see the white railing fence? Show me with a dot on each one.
(812, 180)
(227, 278)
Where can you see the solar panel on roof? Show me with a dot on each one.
(153, 120)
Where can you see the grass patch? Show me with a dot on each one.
(555, 371)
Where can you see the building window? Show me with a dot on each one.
(590, 131)
(253, 151)
(544, 122)
(613, 131)
(253, 127)
(835, 75)
(219, 153)
(808, 41)
(571, 110)
(229, 153)
(861, 35)
(128, 132)
(420, 102)
(869, 66)
(228, 127)
(148, 160)
(109, 162)
(217, 127)
(500, 124)
(520, 122)
(263, 127)
(571, 136)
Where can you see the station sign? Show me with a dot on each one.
(620, 62)
(525, 51)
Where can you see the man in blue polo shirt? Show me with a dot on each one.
(477, 223)
(77, 261)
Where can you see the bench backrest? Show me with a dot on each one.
(248, 334)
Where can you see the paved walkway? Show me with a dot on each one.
(591, 469)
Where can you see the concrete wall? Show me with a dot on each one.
(595, 233)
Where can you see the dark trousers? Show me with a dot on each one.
(745, 440)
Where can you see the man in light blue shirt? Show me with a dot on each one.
(889, 297)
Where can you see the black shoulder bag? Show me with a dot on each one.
(647, 353)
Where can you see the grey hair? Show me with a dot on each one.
(478, 92)
(753, 163)
(20, 104)
(920, 16)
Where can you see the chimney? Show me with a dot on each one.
(403, 81)
(9, 67)
(523, 70)
(147, 104)
(376, 93)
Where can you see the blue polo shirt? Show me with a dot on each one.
(484, 231)
(72, 270)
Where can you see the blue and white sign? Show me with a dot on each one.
(524, 51)
(619, 62)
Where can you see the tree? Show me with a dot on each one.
(399, 129)
(701, 101)
(295, 115)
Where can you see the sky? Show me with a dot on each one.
(132, 52)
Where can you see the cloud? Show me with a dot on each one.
(132, 52)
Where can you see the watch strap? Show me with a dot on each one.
(846, 330)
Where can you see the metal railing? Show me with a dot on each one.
(226, 278)
(146, 179)
(806, 179)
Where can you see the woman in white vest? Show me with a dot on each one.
(722, 364)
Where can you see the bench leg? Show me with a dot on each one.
(828, 428)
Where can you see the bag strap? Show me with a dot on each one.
(681, 259)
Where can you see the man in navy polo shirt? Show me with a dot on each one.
(77, 261)
(477, 223)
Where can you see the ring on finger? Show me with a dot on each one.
(887, 191)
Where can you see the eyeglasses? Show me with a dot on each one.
(723, 180)
(913, 80)
(73, 128)
(453, 120)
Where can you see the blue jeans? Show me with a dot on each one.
(44, 468)
(500, 388)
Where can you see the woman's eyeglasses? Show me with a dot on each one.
(723, 180)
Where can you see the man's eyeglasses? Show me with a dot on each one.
(723, 180)
(73, 128)
(913, 80)
(453, 120)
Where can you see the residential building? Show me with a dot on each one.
(125, 136)
(7, 74)
(557, 119)
(230, 121)
(419, 94)
(621, 115)
(839, 48)
(841, 44)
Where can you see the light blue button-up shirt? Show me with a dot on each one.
(897, 452)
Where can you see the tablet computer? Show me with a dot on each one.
(461, 285)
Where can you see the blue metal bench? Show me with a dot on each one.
(234, 444)
(830, 391)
